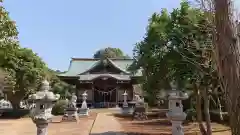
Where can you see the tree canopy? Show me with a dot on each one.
(22, 70)
(177, 47)
(110, 52)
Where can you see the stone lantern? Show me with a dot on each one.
(175, 113)
(83, 111)
(41, 114)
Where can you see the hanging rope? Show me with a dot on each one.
(105, 92)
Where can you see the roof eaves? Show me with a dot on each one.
(93, 66)
(126, 72)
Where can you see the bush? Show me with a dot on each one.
(15, 113)
(58, 108)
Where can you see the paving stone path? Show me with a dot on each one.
(106, 124)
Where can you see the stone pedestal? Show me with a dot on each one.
(83, 111)
(140, 110)
(127, 110)
(139, 113)
(41, 128)
(70, 115)
(177, 128)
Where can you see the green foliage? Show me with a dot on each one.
(59, 107)
(58, 86)
(20, 113)
(23, 70)
(110, 53)
(177, 46)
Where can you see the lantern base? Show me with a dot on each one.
(70, 116)
(127, 110)
(83, 111)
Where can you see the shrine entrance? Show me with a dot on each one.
(105, 92)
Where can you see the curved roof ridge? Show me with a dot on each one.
(100, 59)
(117, 66)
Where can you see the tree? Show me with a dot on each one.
(178, 47)
(227, 57)
(23, 69)
(110, 53)
(27, 71)
(59, 86)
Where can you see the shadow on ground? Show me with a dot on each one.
(124, 133)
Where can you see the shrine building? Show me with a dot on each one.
(105, 80)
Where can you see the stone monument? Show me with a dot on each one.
(41, 114)
(83, 111)
(176, 114)
(140, 110)
(71, 110)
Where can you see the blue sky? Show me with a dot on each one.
(59, 29)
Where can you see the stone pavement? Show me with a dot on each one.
(106, 124)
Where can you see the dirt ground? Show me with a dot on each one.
(153, 126)
(25, 126)
(163, 127)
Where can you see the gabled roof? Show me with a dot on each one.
(108, 61)
(79, 66)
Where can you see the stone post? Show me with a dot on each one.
(41, 114)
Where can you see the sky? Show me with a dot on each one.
(58, 30)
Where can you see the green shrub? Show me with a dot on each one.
(15, 113)
(58, 108)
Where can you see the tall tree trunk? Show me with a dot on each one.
(206, 111)
(227, 58)
(15, 99)
(199, 110)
